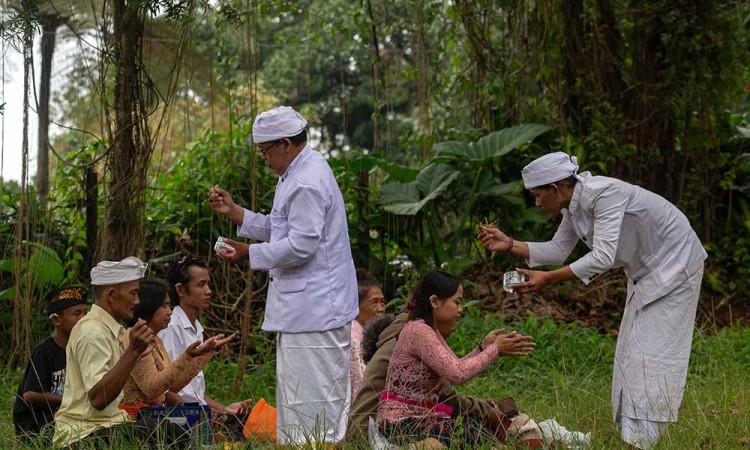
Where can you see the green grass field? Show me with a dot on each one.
(567, 378)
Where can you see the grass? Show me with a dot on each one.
(567, 378)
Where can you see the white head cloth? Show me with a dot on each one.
(108, 273)
(548, 169)
(277, 123)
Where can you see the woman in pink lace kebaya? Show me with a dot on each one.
(409, 408)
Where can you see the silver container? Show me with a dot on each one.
(511, 279)
(222, 245)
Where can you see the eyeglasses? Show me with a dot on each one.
(264, 150)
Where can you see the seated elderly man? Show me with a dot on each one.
(98, 366)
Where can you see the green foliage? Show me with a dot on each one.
(422, 130)
(492, 146)
(409, 198)
(482, 182)
(178, 199)
(67, 217)
(41, 270)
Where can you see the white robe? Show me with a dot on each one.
(653, 352)
(627, 226)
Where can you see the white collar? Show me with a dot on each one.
(179, 315)
(296, 161)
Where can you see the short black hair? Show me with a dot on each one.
(152, 294)
(97, 290)
(300, 138)
(365, 282)
(179, 274)
(373, 329)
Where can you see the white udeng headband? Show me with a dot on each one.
(277, 123)
(108, 273)
(548, 169)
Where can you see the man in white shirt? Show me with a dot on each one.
(312, 294)
(624, 226)
(189, 285)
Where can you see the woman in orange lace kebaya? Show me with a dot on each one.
(156, 378)
(409, 408)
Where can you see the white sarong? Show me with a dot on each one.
(652, 355)
(312, 386)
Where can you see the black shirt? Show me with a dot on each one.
(44, 373)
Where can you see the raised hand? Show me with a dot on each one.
(491, 337)
(494, 240)
(514, 344)
(537, 279)
(197, 348)
(240, 253)
(221, 200)
(221, 340)
(140, 337)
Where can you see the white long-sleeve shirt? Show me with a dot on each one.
(307, 251)
(624, 226)
(176, 338)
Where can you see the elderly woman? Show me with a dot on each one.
(410, 409)
(156, 378)
(624, 226)
(371, 304)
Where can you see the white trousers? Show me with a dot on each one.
(312, 386)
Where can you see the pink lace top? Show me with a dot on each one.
(420, 362)
(356, 363)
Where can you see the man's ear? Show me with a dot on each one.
(179, 288)
(56, 319)
(110, 294)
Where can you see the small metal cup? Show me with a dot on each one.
(511, 279)
(222, 245)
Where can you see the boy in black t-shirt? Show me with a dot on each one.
(40, 392)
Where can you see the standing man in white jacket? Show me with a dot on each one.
(624, 226)
(312, 294)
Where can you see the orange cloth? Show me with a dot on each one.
(132, 410)
(261, 422)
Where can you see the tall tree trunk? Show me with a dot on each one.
(92, 217)
(21, 339)
(654, 131)
(251, 36)
(592, 74)
(128, 160)
(50, 23)
(479, 48)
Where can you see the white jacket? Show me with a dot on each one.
(313, 284)
(624, 226)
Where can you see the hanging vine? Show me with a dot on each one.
(21, 342)
(251, 46)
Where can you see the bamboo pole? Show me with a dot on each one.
(251, 36)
